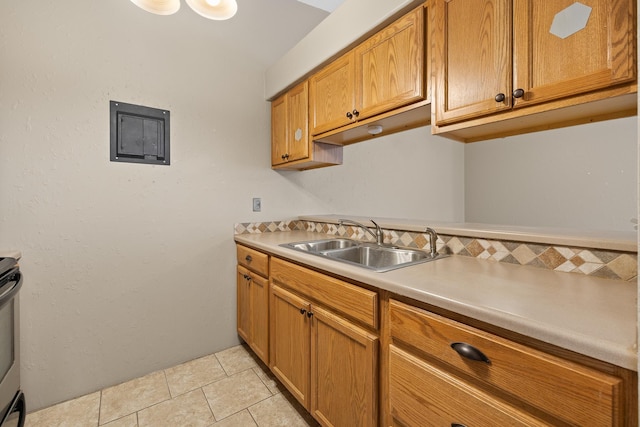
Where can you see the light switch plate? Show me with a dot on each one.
(257, 204)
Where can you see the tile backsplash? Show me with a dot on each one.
(588, 261)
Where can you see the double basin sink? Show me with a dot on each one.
(372, 256)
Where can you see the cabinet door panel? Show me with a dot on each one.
(390, 66)
(259, 288)
(549, 66)
(279, 128)
(298, 129)
(289, 342)
(473, 58)
(343, 372)
(332, 95)
(422, 395)
(244, 305)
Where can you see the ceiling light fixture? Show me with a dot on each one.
(218, 10)
(159, 7)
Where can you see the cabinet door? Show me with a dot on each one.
(298, 128)
(472, 58)
(589, 47)
(279, 127)
(422, 395)
(343, 372)
(259, 290)
(332, 95)
(289, 339)
(390, 66)
(244, 304)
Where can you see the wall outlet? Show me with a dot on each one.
(257, 204)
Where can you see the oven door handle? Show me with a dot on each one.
(8, 291)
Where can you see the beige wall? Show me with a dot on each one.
(582, 177)
(130, 268)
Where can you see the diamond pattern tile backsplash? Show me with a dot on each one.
(588, 261)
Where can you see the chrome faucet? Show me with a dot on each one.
(378, 235)
(433, 238)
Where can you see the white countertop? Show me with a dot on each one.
(592, 316)
(10, 253)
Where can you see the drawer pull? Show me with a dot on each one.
(457, 425)
(248, 258)
(303, 311)
(470, 352)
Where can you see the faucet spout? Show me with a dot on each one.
(433, 238)
(378, 235)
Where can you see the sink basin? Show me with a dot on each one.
(323, 245)
(363, 254)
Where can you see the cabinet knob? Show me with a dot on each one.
(470, 352)
(356, 113)
(248, 258)
(247, 277)
(303, 311)
(457, 425)
(349, 115)
(518, 93)
(500, 97)
(309, 314)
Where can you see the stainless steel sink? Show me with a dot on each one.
(322, 245)
(372, 256)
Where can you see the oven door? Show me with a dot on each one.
(10, 284)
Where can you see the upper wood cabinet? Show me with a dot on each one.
(498, 55)
(291, 147)
(385, 72)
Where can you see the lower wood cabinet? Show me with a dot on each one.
(424, 395)
(483, 375)
(353, 356)
(253, 312)
(328, 363)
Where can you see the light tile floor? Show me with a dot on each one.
(230, 388)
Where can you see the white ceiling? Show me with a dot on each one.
(327, 5)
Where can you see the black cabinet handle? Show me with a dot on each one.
(303, 311)
(470, 352)
(246, 277)
(518, 93)
(356, 113)
(349, 115)
(500, 97)
(457, 425)
(309, 314)
(248, 258)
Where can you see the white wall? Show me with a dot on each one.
(411, 174)
(582, 177)
(128, 268)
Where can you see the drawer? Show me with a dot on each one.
(422, 395)
(350, 300)
(571, 392)
(253, 260)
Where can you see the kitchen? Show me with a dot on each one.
(120, 259)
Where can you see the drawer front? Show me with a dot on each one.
(566, 390)
(350, 300)
(253, 260)
(421, 395)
